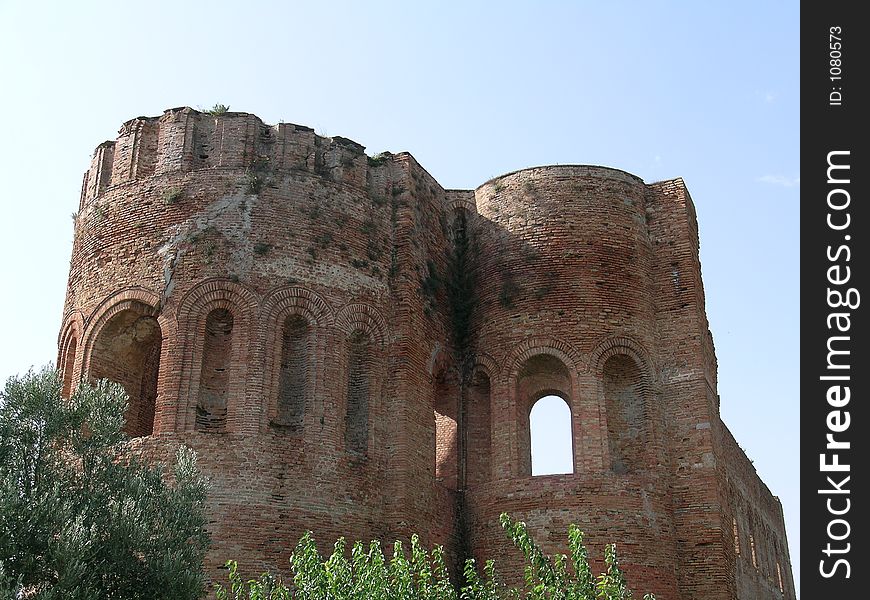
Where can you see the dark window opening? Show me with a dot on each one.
(358, 389)
(626, 414)
(293, 381)
(211, 408)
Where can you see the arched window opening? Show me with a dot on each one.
(68, 366)
(127, 351)
(295, 375)
(211, 409)
(446, 433)
(541, 375)
(552, 446)
(626, 413)
(479, 441)
(356, 432)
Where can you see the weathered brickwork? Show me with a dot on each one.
(352, 349)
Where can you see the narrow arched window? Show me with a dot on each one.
(68, 366)
(626, 413)
(550, 430)
(479, 440)
(544, 376)
(358, 389)
(294, 377)
(446, 432)
(211, 409)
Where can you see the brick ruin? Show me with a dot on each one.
(352, 349)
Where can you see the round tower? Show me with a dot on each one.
(244, 283)
(565, 307)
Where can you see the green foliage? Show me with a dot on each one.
(461, 284)
(509, 291)
(9, 586)
(314, 212)
(172, 195)
(368, 227)
(82, 519)
(261, 248)
(378, 159)
(373, 250)
(324, 240)
(429, 287)
(218, 109)
(364, 573)
(257, 175)
(432, 282)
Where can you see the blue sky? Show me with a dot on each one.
(707, 91)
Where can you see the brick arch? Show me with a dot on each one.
(463, 203)
(195, 307)
(216, 291)
(280, 303)
(544, 379)
(69, 354)
(534, 346)
(318, 315)
(363, 332)
(479, 412)
(622, 345)
(628, 409)
(362, 317)
(111, 306)
(74, 319)
(486, 363)
(119, 345)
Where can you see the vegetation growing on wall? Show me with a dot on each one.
(460, 285)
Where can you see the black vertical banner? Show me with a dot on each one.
(835, 370)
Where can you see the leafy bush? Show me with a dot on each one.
(81, 519)
(218, 109)
(367, 575)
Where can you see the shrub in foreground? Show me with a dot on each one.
(366, 574)
(80, 519)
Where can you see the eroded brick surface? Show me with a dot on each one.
(354, 350)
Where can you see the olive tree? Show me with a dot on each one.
(81, 518)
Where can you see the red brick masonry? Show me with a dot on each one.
(288, 307)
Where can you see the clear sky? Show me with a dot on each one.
(707, 91)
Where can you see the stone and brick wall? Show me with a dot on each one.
(352, 349)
